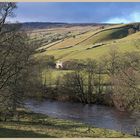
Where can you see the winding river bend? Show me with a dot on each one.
(96, 115)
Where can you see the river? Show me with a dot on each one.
(96, 115)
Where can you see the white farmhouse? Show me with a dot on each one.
(59, 65)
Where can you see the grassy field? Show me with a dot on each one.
(41, 126)
(51, 75)
(53, 35)
(82, 46)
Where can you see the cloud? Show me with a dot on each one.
(133, 17)
(117, 20)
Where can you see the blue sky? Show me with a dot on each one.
(78, 12)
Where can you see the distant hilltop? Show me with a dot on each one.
(44, 25)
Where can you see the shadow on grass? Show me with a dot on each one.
(51, 124)
(60, 125)
(12, 133)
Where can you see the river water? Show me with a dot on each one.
(96, 115)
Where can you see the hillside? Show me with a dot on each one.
(91, 41)
(44, 25)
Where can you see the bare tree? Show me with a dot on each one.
(124, 73)
(90, 72)
(16, 52)
(6, 10)
(79, 84)
(112, 64)
(126, 82)
(100, 77)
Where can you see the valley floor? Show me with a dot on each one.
(41, 126)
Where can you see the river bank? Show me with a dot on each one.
(36, 125)
(94, 115)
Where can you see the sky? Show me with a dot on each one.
(78, 12)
